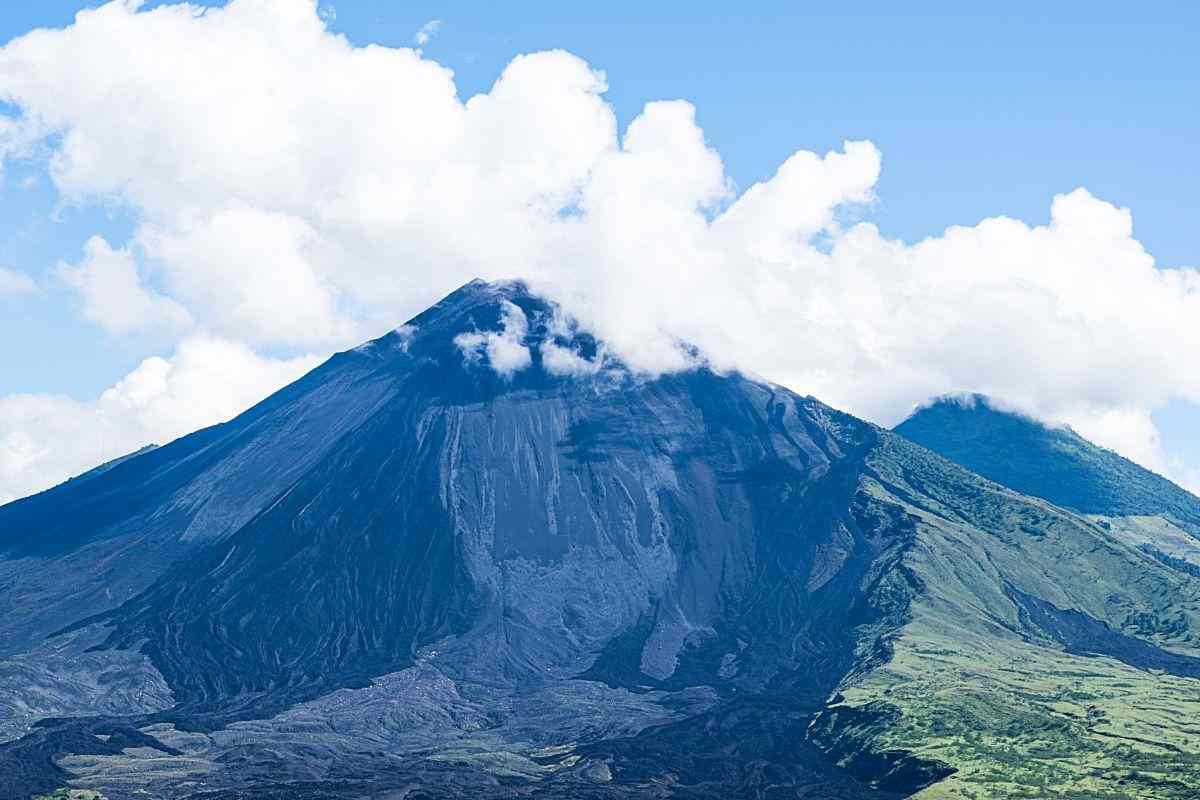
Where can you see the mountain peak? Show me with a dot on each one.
(476, 305)
(486, 338)
(1012, 448)
(975, 401)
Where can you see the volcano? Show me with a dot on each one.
(481, 557)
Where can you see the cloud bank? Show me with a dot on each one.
(45, 439)
(295, 194)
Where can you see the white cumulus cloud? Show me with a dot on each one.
(45, 439)
(292, 190)
(114, 295)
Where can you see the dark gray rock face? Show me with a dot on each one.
(578, 582)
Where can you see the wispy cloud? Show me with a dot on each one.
(13, 282)
(427, 32)
(505, 350)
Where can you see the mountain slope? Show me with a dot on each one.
(1119, 710)
(1024, 663)
(408, 511)
(478, 557)
(1053, 463)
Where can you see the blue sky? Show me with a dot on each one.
(978, 112)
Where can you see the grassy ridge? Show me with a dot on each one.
(1020, 721)
(980, 684)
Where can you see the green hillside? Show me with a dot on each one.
(1091, 692)
(1055, 464)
